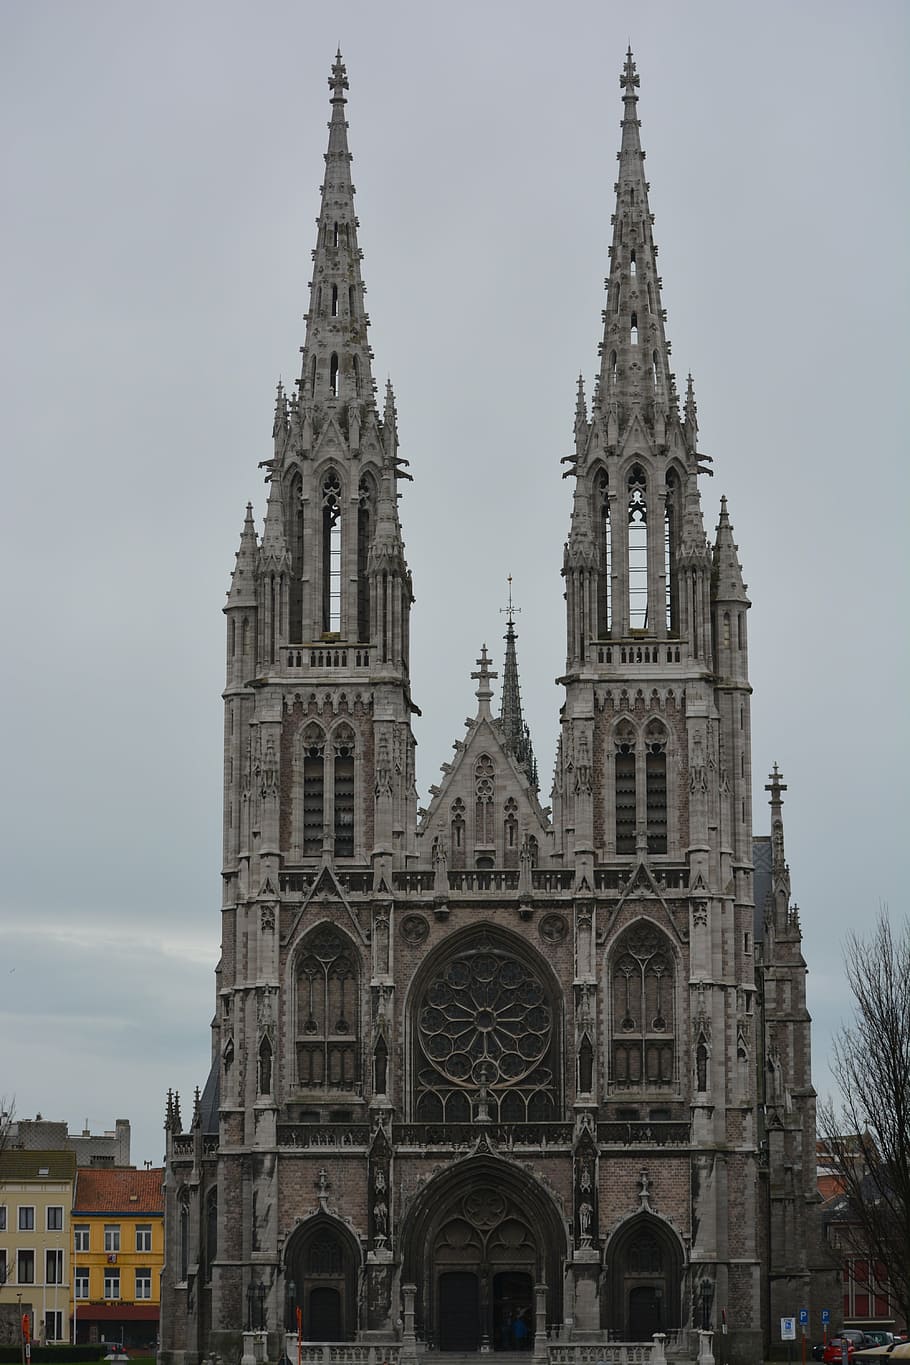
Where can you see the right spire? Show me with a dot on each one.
(635, 375)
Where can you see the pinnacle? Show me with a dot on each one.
(630, 80)
(516, 736)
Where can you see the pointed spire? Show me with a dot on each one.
(635, 375)
(726, 575)
(484, 692)
(776, 786)
(280, 424)
(336, 354)
(242, 592)
(691, 409)
(516, 735)
(274, 550)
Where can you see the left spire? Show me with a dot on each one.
(337, 369)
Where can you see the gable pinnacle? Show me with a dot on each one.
(338, 81)
(516, 735)
(483, 677)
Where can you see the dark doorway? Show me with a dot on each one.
(459, 1311)
(644, 1312)
(513, 1311)
(325, 1315)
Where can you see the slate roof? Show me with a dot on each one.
(110, 1190)
(18, 1163)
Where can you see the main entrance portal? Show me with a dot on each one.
(482, 1237)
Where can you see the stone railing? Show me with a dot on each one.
(343, 1135)
(614, 1133)
(325, 656)
(538, 1136)
(618, 652)
(342, 1352)
(356, 882)
(612, 1352)
(615, 878)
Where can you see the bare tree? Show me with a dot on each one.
(867, 1135)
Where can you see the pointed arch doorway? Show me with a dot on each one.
(479, 1239)
(644, 1279)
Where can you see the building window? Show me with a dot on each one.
(25, 1267)
(331, 553)
(80, 1282)
(53, 1325)
(313, 790)
(625, 790)
(2, 1218)
(366, 500)
(3, 1270)
(55, 1218)
(27, 1218)
(143, 1283)
(184, 1238)
(143, 1236)
(656, 789)
(483, 798)
(81, 1233)
(112, 1236)
(604, 556)
(53, 1267)
(638, 551)
(112, 1284)
(671, 551)
(343, 745)
(327, 1012)
(643, 1012)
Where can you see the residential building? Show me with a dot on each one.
(487, 1063)
(36, 1196)
(118, 1252)
(111, 1148)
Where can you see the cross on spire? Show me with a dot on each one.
(483, 677)
(511, 610)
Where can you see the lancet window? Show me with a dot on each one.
(625, 787)
(333, 375)
(672, 515)
(656, 787)
(458, 832)
(294, 508)
(486, 1033)
(331, 553)
(326, 779)
(327, 1012)
(642, 1011)
(641, 797)
(365, 513)
(638, 550)
(604, 555)
(484, 792)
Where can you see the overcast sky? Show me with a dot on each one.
(160, 171)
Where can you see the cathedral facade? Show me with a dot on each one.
(491, 1075)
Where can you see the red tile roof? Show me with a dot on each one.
(111, 1190)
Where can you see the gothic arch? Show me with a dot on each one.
(644, 1262)
(482, 1217)
(485, 1009)
(321, 1268)
(643, 1010)
(325, 1013)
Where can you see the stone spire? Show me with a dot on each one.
(635, 375)
(727, 576)
(516, 735)
(242, 592)
(483, 677)
(336, 367)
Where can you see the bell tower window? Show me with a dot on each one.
(638, 550)
(331, 553)
(313, 791)
(333, 375)
(656, 789)
(671, 552)
(343, 776)
(364, 530)
(295, 614)
(604, 557)
(625, 790)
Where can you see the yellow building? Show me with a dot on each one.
(36, 1196)
(118, 1252)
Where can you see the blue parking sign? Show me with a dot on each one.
(826, 1316)
(803, 1316)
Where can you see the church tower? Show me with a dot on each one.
(487, 1075)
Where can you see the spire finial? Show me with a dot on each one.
(511, 609)
(629, 80)
(338, 81)
(515, 733)
(483, 677)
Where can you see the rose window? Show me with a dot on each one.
(485, 1027)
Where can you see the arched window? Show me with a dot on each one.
(334, 234)
(672, 515)
(484, 790)
(294, 511)
(633, 330)
(331, 553)
(351, 300)
(333, 374)
(642, 1011)
(484, 1017)
(604, 555)
(625, 787)
(313, 377)
(183, 1246)
(211, 1234)
(313, 790)
(612, 367)
(355, 366)
(633, 267)
(654, 372)
(328, 1011)
(656, 787)
(458, 832)
(343, 806)
(638, 550)
(510, 832)
(334, 300)
(264, 1078)
(365, 506)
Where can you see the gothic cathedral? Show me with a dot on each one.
(493, 1076)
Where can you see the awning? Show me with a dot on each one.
(117, 1312)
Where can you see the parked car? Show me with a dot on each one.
(834, 1351)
